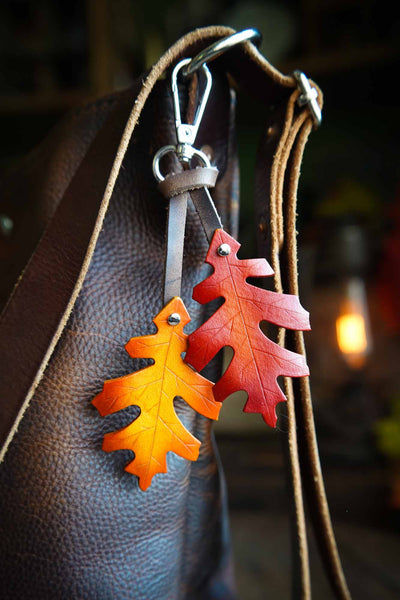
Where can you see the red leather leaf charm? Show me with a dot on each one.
(257, 361)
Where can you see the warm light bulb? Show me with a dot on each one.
(351, 335)
(352, 324)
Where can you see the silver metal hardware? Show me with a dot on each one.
(224, 249)
(166, 149)
(185, 133)
(174, 319)
(221, 46)
(308, 96)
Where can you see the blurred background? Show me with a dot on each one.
(55, 56)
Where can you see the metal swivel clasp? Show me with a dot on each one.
(185, 133)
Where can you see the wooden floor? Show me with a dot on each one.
(367, 532)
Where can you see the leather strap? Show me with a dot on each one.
(207, 212)
(179, 187)
(301, 585)
(307, 440)
(284, 144)
(175, 242)
(187, 181)
(36, 332)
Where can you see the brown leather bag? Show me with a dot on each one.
(73, 524)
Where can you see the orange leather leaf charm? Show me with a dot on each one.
(257, 361)
(157, 430)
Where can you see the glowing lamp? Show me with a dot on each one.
(352, 324)
(351, 335)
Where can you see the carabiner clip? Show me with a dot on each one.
(185, 133)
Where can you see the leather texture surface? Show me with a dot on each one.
(73, 523)
(30, 191)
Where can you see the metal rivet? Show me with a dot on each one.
(174, 319)
(224, 249)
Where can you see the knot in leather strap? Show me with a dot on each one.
(187, 181)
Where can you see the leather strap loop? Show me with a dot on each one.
(186, 181)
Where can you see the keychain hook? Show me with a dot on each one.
(185, 133)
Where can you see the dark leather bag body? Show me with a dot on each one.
(73, 523)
